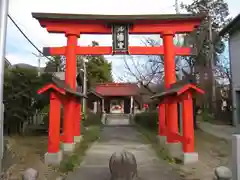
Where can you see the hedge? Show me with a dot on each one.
(147, 120)
(92, 119)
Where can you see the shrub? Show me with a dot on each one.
(147, 119)
(92, 119)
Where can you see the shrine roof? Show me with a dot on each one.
(116, 18)
(177, 89)
(117, 89)
(61, 84)
(93, 92)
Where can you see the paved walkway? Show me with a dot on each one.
(220, 131)
(95, 163)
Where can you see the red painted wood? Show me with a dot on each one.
(177, 137)
(190, 87)
(100, 27)
(54, 124)
(68, 123)
(107, 50)
(71, 72)
(117, 89)
(170, 78)
(51, 86)
(188, 127)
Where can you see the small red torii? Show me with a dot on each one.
(60, 94)
(180, 92)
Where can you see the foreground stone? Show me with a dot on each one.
(222, 173)
(30, 174)
(123, 165)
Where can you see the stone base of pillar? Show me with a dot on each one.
(162, 140)
(53, 158)
(68, 147)
(190, 158)
(174, 149)
(77, 139)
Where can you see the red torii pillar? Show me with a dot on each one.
(54, 154)
(170, 78)
(168, 112)
(71, 127)
(54, 123)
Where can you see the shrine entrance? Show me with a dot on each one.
(121, 26)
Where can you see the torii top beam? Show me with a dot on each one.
(101, 24)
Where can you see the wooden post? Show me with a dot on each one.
(70, 79)
(188, 127)
(54, 124)
(170, 78)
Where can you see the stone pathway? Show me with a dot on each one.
(220, 131)
(113, 138)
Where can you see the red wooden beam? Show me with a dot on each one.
(107, 50)
(177, 136)
(50, 86)
(190, 87)
(149, 27)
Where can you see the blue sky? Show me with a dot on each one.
(20, 51)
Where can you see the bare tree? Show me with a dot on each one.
(147, 69)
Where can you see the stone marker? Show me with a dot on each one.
(236, 156)
(30, 174)
(222, 173)
(123, 165)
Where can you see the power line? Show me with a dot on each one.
(27, 37)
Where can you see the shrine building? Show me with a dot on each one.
(119, 97)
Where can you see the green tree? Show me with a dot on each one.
(99, 70)
(217, 13)
(56, 64)
(20, 97)
(217, 16)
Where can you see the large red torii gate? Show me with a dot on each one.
(73, 25)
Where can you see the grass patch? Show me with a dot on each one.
(149, 136)
(206, 116)
(74, 159)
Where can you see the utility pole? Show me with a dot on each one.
(211, 61)
(211, 65)
(3, 32)
(39, 63)
(180, 73)
(178, 40)
(84, 86)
